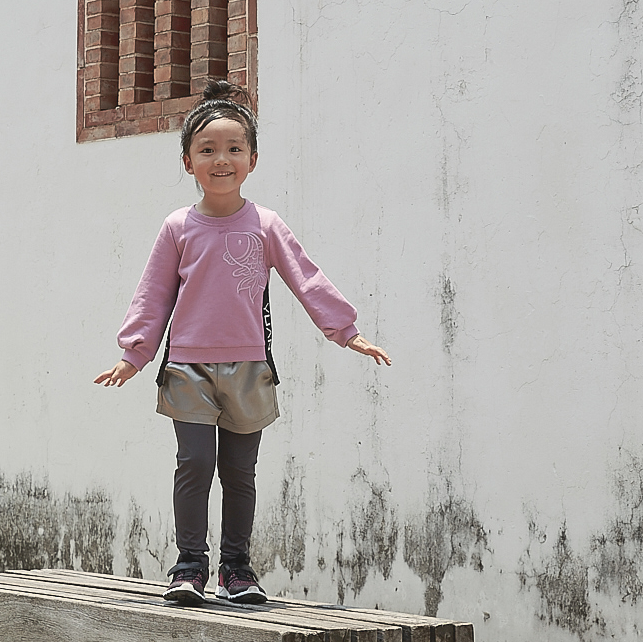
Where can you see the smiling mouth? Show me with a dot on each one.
(222, 174)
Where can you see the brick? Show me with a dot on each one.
(172, 57)
(252, 69)
(216, 50)
(168, 73)
(167, 90)
(96, 103)
(209, 16)
(199, 4)
(128, 64)
(171, 123)
(101, 38)
(135, 95)
(143, 110)
(124, 4)
(237, 61)
(236, 25)
(103, 21)
(238, 78)
(139, 80)
(99, 54)
(137, 30)
(95, 7)
(176, 7)
(137, 14)
(172, 23)
(208, 67)
(252, 17)
(97, 133)
(105, 117)
(128, 47)
(207, 33)
(101, 87)
(172, 40)
(237, 43)
(101, 70)
(179, 105)
(236, 8)
(141, 126)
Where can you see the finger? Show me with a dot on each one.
(104, 375)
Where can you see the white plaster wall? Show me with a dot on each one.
(468, 174)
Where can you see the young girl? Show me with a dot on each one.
(209, 268)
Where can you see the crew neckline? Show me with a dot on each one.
(219, 220)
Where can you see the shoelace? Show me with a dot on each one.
(241, 575)
(189, 574)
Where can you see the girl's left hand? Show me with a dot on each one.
(360, 344)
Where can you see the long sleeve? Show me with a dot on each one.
(146, 319)
(323, 302)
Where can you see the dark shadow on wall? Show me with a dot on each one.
(39, 529)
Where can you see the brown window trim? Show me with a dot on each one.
(137, 60)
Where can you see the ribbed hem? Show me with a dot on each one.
(136, 359)
(217, 355)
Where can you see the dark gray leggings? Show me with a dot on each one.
(196, 460)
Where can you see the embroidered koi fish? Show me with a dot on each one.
(244, 250)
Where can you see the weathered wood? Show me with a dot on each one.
(275, 611)
(279, 619)
(334, 631)
(26, 617)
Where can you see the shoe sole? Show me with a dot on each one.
(252, 596)
(186, 595)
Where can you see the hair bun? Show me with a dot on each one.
(219, 89)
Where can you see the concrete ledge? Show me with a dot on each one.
(70, 606)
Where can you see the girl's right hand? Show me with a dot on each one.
(118, 375)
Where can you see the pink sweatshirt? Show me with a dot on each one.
(212, 272)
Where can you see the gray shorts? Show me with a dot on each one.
(239, 397)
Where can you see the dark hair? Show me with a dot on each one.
(221, 99)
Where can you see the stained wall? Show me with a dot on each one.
(469, 175)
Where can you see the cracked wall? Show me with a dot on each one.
(469, 175)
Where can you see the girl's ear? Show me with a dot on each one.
(188, 164)
(253, 161)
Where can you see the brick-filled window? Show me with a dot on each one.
(143, 63)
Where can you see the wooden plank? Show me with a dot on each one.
(26, 617)
(416, 628)
(363, 623)
(334, 630)
(154, 608)
(362, 630)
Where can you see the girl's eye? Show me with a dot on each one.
(235, 149)
(207, 150)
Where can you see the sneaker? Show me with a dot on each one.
(238, 583)
(188, 583)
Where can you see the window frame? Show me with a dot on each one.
(98, 118)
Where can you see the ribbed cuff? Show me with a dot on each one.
(346, 334)
(136, 359)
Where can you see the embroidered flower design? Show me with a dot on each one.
(245, 251)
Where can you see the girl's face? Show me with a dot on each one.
(220, 158)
